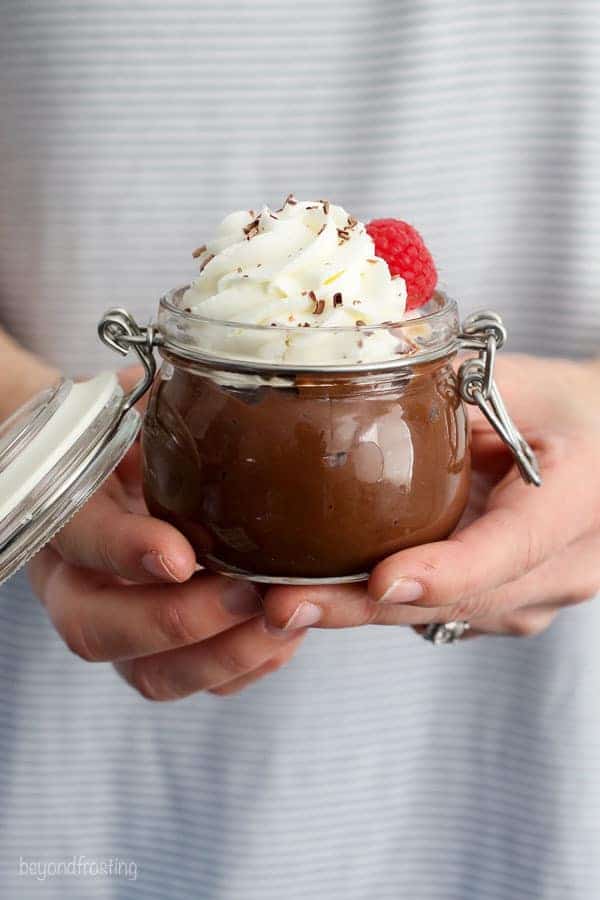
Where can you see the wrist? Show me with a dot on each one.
(22, 374)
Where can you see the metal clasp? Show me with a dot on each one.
(119, 331)
(484, 332)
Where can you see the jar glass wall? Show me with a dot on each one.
(307, 472)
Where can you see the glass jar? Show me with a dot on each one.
(305, 474)
(291, 471)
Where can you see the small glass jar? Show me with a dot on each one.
(306, 472)
(297, 472)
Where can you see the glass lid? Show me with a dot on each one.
(55, 451)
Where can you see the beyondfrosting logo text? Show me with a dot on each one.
(78, 867)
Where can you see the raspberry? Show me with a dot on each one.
(404, 251)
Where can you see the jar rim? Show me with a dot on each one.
(431, 335)
(446, 305)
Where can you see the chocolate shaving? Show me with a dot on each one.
(322, 229)
(337, 299)
(251, 229)
(187, 309)
(318, 305)
(198, 251)
(291, 200)
(360, 322)
(325, 207)
(206, 261)
(356, 303)
(352, 222)
(372, 261)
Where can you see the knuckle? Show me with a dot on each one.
(480, 605)
(171, 618)
(150, 683)
(79, 640)
(234, 659)
(106, 557)
(462, 610)
(530, 551)
(430, 567)
(520, 627)
(275, 663)
(580, 595)
(528, 625)
(236, 685)
(370, 612)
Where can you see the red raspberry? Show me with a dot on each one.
(404, 251)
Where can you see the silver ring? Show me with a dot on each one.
(446, 633)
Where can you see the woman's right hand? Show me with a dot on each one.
(120, 586)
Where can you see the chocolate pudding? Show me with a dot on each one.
(321, 478)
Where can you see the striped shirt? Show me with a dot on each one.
(374, 766)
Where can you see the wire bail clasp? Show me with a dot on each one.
(119, 330)
(484, 332)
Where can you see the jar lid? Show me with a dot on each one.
(55, 451)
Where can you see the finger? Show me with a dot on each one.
(102, 622)
(529, 604)
(129, 472)
(337, 606)
(128, 378)
(528, 621)
(517, 532)
(106, 537)
(210, 664)
(573, 574)
(333, 606)
(271, 665)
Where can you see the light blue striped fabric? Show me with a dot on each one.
(374, 766)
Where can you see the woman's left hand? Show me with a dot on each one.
(521, 553)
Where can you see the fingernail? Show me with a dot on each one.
(404, 590)
(306, 614)
(241, 598)
(155, 564)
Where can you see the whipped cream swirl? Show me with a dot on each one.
(306, 266)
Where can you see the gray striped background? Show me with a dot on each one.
(374, 766)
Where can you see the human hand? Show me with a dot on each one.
(520, 553)
(119, 585)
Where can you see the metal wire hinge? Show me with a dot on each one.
(484, 332)
(119, 331)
